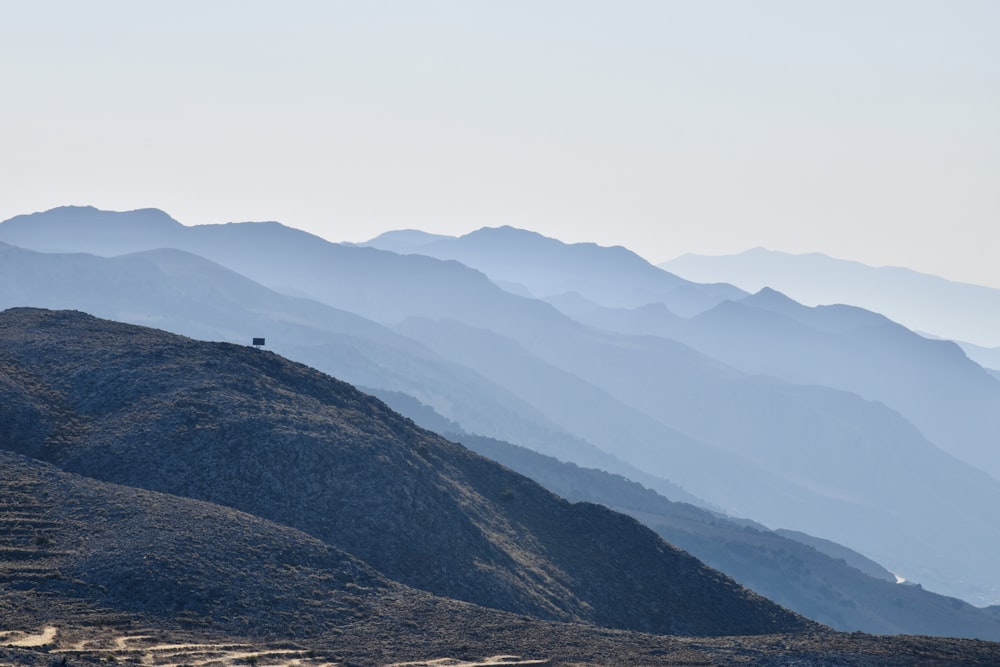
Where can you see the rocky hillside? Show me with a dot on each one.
(93, 572)
(96, 574)
(249, 430)
(71, 545)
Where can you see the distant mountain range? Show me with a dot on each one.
(723, 435)
(851, 349)
(53, 279)
(953, 401)
(541, 267)
(844, 348)
(958, 311)
(587, 384)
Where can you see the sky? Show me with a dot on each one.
(865, 129)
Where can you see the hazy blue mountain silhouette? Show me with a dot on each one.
(919, 301)
(186, 294)
(852, 470)
(954, 402)
(380, 285)
(404, 241)
(91, 230)
(840, 552)
(847, 467)
(610, 276)
(581, 407)
(987, 357)
(906, 379)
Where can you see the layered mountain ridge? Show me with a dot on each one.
(246, 429)
(920, 301)
(727, 437)
(449, 332)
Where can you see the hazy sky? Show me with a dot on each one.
(866, 129)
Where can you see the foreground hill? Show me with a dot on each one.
(74, 546)
(98, 572)
(247, 429)
(94, 573)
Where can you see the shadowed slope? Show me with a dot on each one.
(73, 546)
(798, 576)
(250, 430)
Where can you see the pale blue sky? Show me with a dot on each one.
(869, 130)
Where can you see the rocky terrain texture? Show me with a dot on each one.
(246, 429)
(166, 501)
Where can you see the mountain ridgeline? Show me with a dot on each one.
(922, 302)
(246, 429)
(543, 267)
(731, 408)
(152, 483)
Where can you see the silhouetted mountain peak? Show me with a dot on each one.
(771, 296)
(771, 299)
(610, 276)
(90, 214)
(835, 317)
(524, 240)
(88, 229)
(403, 241)
(920, 301)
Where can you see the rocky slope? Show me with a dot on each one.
(249, 430)
(96, 572)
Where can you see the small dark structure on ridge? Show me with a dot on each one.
(258, 343)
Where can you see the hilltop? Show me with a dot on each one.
(246, 429)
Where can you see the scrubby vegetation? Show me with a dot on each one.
(156, 491)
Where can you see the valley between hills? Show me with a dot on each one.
(596, 463)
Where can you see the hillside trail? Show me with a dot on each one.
(488, 662)
(147, 650)
(150, 651)
(25, 640)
